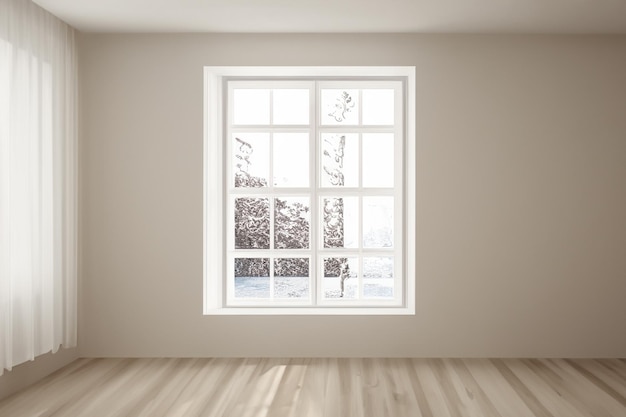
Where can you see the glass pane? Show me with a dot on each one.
(341, 278)
(291, 159)
(378, 277)
(251, 159)
(252, 277)
(340, 160)
(378, 165)
(291, 223)
(378, 108)
(252, 223)
(339, 107)
(251, 106)
(378, 222)
(291, 278)
(291, 107)
(341, 222)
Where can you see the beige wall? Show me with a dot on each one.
(521, 189)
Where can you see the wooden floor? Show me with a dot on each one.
(327, 387)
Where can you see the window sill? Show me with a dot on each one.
(310, 311)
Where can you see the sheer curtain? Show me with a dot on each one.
(38, 124)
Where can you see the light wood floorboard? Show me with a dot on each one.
(327, 388)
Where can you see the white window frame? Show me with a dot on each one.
(215, 168)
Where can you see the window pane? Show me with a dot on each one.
(252, 277)
(291, 159)
(378, 107)
(291, 107)
(341, 222)
(340, 160)
(378, 165)
(378, 222)
(251, 161)
(339, 107)
(341, 278)
(251, 106)
(291, 278)
(252, 223)
(291, 223)
(378, 277)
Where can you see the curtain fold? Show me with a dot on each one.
(38, 183)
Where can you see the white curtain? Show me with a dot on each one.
(38, 130)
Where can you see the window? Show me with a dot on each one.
(309, 190)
